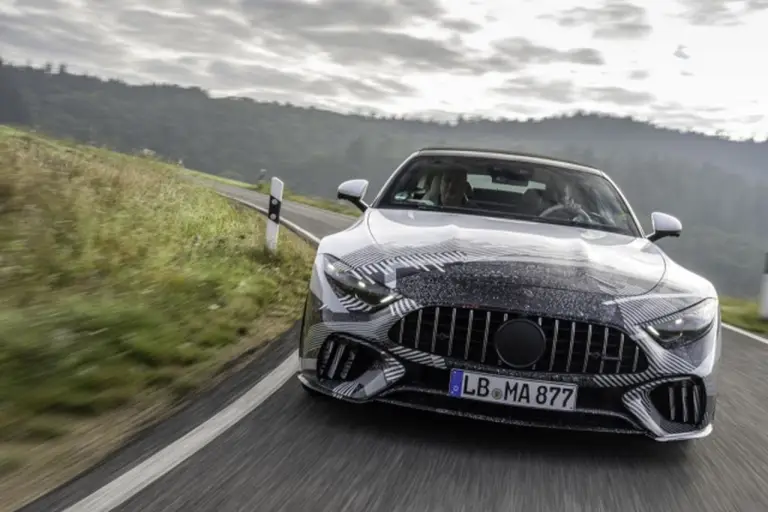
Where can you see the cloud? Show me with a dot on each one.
(349, 47)
(359, 33)
(527, 87)
(523, 51)
(35, 32)
(721, 12)
(255, 78)
(193, 34)
(617, 95)
(297, 15)
(460, 25)
(45, 5)
(441, 57)
(681, 53)
(615, 19)
(567, 92)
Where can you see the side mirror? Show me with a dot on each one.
(664, 225)
(353, 191)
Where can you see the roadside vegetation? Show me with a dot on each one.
(337, 206)
(123, 289)
(226, 181)
(744, 314)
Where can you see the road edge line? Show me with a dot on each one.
(138, 478)
(746, 334)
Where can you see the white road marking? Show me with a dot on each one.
(132, 482)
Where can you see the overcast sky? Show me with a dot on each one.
(679, 62)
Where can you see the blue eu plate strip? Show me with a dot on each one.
(457, 378)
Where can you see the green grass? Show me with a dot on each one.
(222, 179)
(122, 286)
(743, 313)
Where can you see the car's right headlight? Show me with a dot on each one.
(686, 325)
(346, 281)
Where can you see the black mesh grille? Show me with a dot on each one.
(572, 347)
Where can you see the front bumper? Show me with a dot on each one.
(352, 357)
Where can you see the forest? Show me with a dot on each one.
(716, 186)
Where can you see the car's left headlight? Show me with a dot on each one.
(684, 326)
(346, 281)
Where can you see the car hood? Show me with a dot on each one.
(434, 258)
(512, 252)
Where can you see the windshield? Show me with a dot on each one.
(497, 187)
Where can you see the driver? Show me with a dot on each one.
(453, 186)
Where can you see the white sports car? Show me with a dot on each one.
(512, 288)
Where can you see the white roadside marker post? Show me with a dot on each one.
(273, 213)
(764, 291)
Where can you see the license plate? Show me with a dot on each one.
(518, 392)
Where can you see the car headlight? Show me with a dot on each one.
(684, 326)
(346, 281)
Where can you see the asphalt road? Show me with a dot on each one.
(295, 453)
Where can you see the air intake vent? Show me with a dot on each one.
(341, 359)
(680, 402)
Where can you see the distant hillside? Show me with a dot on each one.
(716, 186)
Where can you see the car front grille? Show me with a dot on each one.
(467, 334)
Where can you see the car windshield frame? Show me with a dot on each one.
(385, 198)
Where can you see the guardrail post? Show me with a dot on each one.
(273, 213)
(764, 291)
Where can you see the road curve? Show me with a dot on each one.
(294, 453)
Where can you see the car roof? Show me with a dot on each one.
(508, 155)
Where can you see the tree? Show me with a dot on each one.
(13, 108)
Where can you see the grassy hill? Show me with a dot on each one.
(123, 288)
